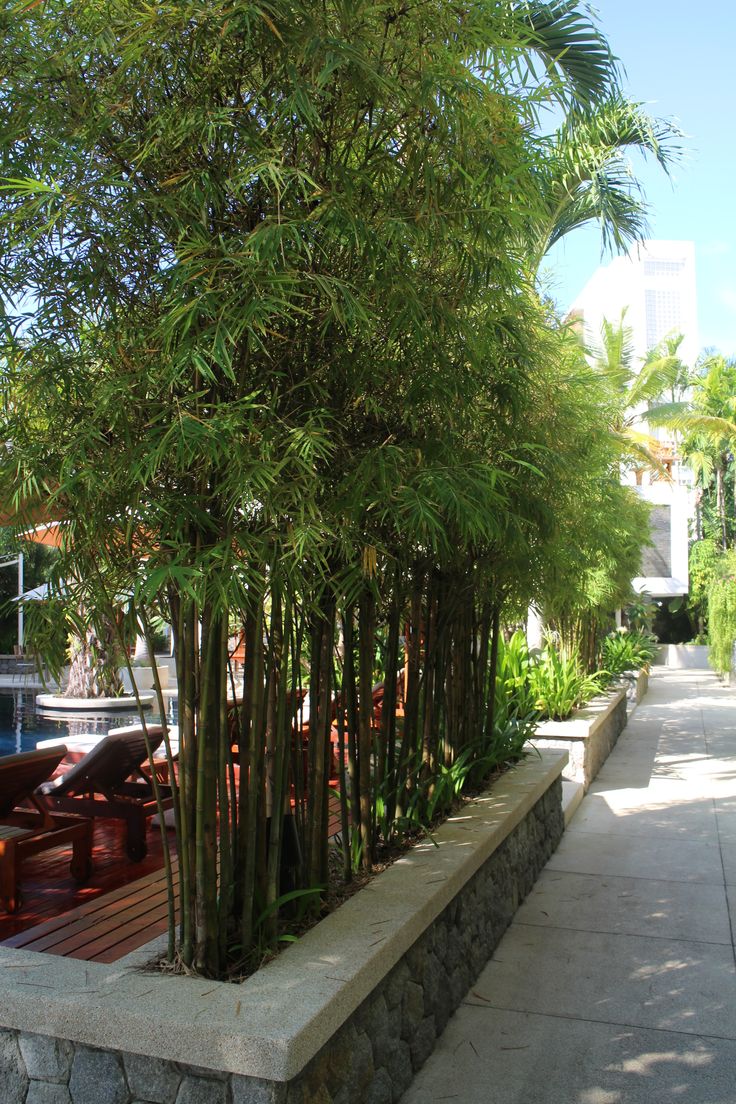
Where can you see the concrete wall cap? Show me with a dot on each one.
(273, 1023)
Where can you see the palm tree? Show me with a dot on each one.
(633, 393)
(708, 421)
(587, 177)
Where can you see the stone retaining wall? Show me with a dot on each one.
(691, 656)
(589, 736)
(636, 684)
(374, 1053)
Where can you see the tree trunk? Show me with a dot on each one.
(93, 670)
(721, 505)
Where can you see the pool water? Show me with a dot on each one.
(21, 727)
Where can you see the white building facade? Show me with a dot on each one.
(655, 284)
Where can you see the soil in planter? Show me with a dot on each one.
(338, 890)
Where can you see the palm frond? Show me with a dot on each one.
(681, 417)
(619, 124)
(655, 377)
(613, 355)
(569, 42)
(642, 449)
(589, 178)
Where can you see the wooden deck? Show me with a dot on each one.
(52, 897)
(121, 908)
(106, 928)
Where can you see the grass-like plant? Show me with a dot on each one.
(559, 683)
(514, 697)
(628, 651)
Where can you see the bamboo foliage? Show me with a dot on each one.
(286, 377)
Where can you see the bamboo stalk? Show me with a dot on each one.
(297, 752)
(280, 748)
(186, 659)
(226, 826)
(350, 696)
(319, 754)
(429, 755)
(347, 866)
(366, 625)
(409, 744)
(492, 670)
(251, 785)
(206, 953)
(171, 909)
(387, 745)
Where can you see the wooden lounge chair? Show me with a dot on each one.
(109, 782)
(28, 831)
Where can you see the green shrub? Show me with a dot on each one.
(722, 622)
(640, 613)
(514, 698)
(627, 651)
(559, 684)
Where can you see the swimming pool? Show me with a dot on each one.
(21, 727)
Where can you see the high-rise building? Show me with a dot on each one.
(655, 284)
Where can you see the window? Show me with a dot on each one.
(663, 314)
(663, 268)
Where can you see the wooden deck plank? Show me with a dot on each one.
(103, 917)
(136, 933)
(114, 923)
(100, 905)
(50, 892)
(85, 931)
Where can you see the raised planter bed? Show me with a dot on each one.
(588, 737)
(344, 1016)
(636, 684)
(57, 703)
(680, 656)
(144, 678)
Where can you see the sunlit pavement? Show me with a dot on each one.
(616, 982)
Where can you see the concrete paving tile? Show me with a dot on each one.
(717, 721)
(725, 810)
(731, 898)
(583, 852)
(634, 775)
(702, 778)
(671, 985)
(653, 815)
(728, 858)
(616, 982)
(629, 906)
(489, 1057)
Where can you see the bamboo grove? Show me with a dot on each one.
(285, 376)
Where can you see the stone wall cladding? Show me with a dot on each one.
(604, 739)
(374, 1055)
(637, 684)
(587, 753)
(393, 1033)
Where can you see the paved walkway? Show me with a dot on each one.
(616, 982)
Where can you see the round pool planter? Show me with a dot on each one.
(57, 703)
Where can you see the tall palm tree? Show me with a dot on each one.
(634, 392)
(587, 177)
(708, 421)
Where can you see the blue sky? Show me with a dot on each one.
(680, 60)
